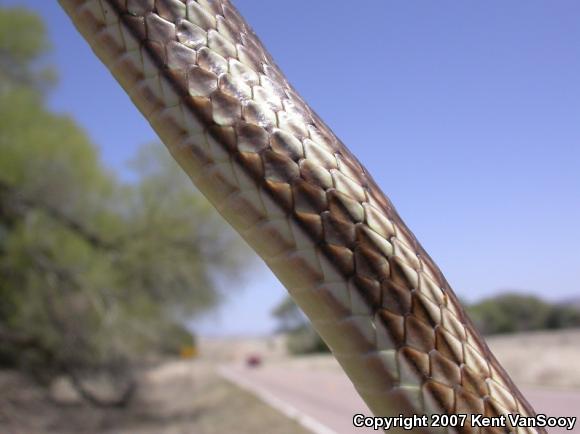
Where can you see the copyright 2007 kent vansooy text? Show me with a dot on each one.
(460, 420)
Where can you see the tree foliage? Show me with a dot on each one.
(511, 313)
(94, 274)
(301, 338)
(289, 316)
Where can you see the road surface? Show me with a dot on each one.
(324, 395)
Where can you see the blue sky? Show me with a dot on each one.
(466, 113)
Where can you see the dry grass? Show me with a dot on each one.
(176, 397)
(545, 359)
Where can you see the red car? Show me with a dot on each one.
(253, 361)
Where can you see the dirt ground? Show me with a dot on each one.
(177, 397)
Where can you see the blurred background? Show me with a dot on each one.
(127, 305)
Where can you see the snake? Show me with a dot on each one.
(297, 195)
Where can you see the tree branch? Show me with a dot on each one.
(23, 204)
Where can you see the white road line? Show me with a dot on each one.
(285, 408)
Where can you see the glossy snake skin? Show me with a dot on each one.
(297, 195)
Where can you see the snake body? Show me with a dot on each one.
(303, 202)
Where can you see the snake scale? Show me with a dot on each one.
(303, 202)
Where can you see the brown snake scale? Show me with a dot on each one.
(298, 196)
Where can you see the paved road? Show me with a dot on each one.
(327, 396)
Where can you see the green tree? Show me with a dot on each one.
(301, 338)
(22, 49)
(95, 275)
(289, 316)
(512, 312)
